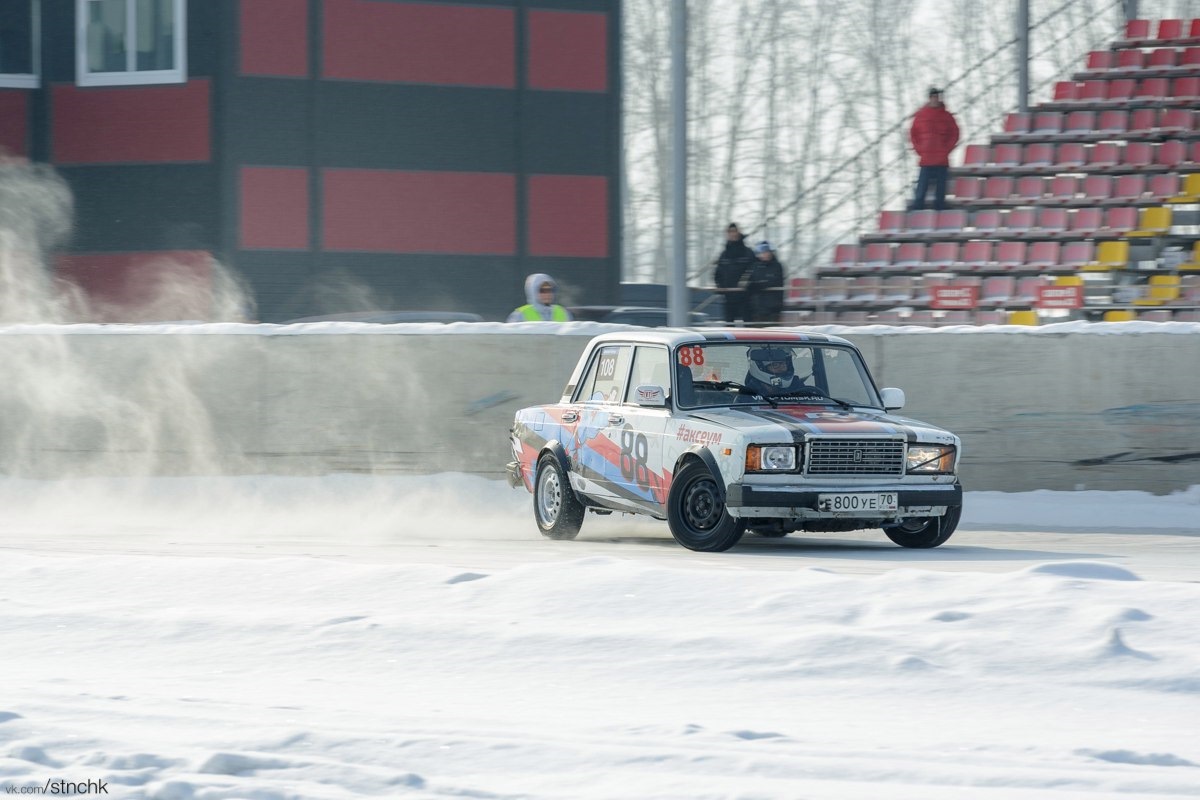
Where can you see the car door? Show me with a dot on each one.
(594, 448)
(639, 431)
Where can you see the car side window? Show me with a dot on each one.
(651, 367)
(606, 376)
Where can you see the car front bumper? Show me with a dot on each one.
(801, 503)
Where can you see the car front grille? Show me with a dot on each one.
(855, 457)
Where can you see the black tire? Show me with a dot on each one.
(924, 532)
(558, 512)
(696, 511)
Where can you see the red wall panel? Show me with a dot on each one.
(274, 38)
(274, 208)
(131, 124)
(568, 216)
(419, 212)
(419, 43)
(14, 122)
(568, 50)
(142, 286)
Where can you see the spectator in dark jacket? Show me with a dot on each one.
(934, 134)
(733, 268)
(764, 289)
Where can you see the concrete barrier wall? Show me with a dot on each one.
(1035, 409)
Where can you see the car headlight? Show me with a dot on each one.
(930, 458)
(771, 458)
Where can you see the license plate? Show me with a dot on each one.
(877, 501)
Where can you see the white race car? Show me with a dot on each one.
(723, 431)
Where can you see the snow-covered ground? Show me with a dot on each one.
(352, 636)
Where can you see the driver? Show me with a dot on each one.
(771, 371)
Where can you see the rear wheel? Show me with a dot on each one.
(924, 532)
(696, 511)
(558, 512)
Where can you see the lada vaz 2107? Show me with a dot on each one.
(723, 431)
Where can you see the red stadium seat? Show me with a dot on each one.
(996, 290)
(1161, 60)
(1129, 188)
(1062, 189)
(1047, 122)
(800, 292)
(1010, 255)
(909, 256)
(1017, 123)
(1163, 187)
(998, 188)
(1151, 90)
(877, 255)
(1104, 60)
(1143, 120)
(1194, 29)
(1070, 155)
(1118, 92)
(891, 222)
(941, 255)
(950, 222)
(1176, 121)
(1092, 91)
(966, 189)
(1065, 92)
(1169, 154)
(976, 155)
(1038, 156)
(1169, 30)
(1120, 221)
(976, 255)
(845, 258)
(1185, 91)
(1191, 56)
(1136, 30)
(1112, 120)
(1006, 156)
(1017, 222)
(1030, 189)
(1086, 221)
(1097, 188)
(920, 222)
(986, 221)
(1136, 156)
(1131, 59)
(1043, 255)
(1079, 123)
(1050, 221)
(1102, 157)
(1075, 254)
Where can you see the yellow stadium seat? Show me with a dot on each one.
(1161, 289)
(1190, 191)
(1154, 221)
(1022, 318)
(1068, 280)
(1109, 255)
(1119, 315)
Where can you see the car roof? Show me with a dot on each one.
(673, 337)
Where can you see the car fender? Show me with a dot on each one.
(555, 448)
(705, 455)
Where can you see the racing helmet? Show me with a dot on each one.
(771, 365)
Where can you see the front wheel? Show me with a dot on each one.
(924, 532)
(558, 512)
(696, 511)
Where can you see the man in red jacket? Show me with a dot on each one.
(934, 134)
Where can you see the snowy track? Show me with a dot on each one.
(342, 637)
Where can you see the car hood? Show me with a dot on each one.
(795, 422)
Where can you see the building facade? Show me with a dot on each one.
(338, 155)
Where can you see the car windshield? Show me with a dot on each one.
(741, 373)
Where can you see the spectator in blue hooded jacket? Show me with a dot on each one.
(541, 291)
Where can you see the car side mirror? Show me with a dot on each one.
(650, 396)
(893, 398)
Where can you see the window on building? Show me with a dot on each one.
(130, 41)
(19, 43)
